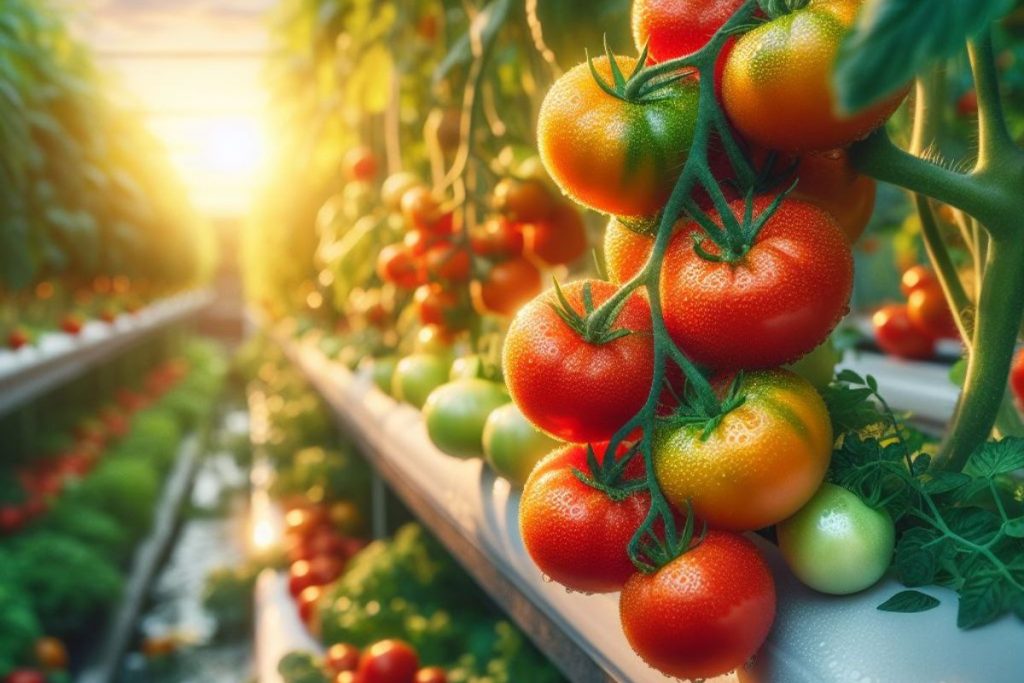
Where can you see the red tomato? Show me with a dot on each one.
(703, 614)
(307, 601)
(324, 569)
(397, 265)
(575, 534)
(360, 164)
(342, 657)
(1017, 377)
(897, 336)
(18, 338)
(523, 201)
(930, 314)
(435, 305)
(676, 28)
(12, 519)
(300, 577)
(25, 676)
(347, 677)
(573, 388)
(770, 306)
(625, 251)
(388, 661)
(498, 239)
(421, 209)
(967, 105)
(917, 277)
(558, 240)
(448, 262)
(432, 674)
(72, 323)
(507, 286)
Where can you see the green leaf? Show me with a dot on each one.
(974, 524)
(996, 457)
(944, 482)
(909, 602)
(1014, 528)
(487, 22)
(982, 599)
(916, 558)
(895, 39)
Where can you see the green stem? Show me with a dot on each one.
(995, 144)
(1000, 309)
(949, 279)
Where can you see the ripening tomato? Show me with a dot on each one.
(512, 445)
(930, 314)
(51, 654)
(342, 657)
(455, 414)
(574, 533)
(388, 661)
(625, 251)
(506, 287)
(703, 614)
(575, 388)
(523, 201)
(771, 305)
(421, 209)
(432, 674)
(614, 156)
(395, 264)
(498, 239)
(837, 544)
(777, 83)
(434, 340)
(897, 336)
(759, 465)
(1017, 377)
(828, 180)
(560, 239)
(917, 277)
(360, 164)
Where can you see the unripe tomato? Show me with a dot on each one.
(777, 84)
(434, 340)
(560, 239)
(523, 201)
(929, 313)
(625, 251)
(360, 164)
(703, 614)
(899, 337)
(819, 366)
(455, 414)
(618, 157)
(507, 286)
(381, 369)
(759, 465)
(418, 375)
(512, 445)
(836, 544)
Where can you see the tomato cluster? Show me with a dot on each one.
(386, 661)
(911, 330)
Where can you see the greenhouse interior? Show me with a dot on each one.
(511, 341)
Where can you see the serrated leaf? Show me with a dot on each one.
(909, 602)
(974, 524)
(1014, 528)
(996, 457)
(916, 558)
(944, 482)
(982, 600)
(893, 40)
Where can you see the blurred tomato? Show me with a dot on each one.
(897, 335)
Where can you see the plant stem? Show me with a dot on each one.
(995, 145)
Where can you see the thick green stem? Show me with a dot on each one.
(995, 144)
(1000, 306)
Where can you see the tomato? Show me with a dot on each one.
(575, 534)
(777, 83)
(828, 180)
(1017, 377)
(574, 389)
(18, 338)
(967, 105)
(523, 201)
(434, 340)
(455, 414)
(506, 287)
(433, 674)
(347, 677)
(342, 657)
(625, 251)
(72, 323)
(25, 676)
(360, 163)
(819, 366)
(613, 156)
(676, 28)
(381, 371)
(394, 187)
(930, 314)
(418, 375)
(836, 543)
(447, 262)
(703, 614)
(897, 336)
(421, 209)
(772, 305)
(324, 569)
(300, 577)
(51, 654)
(917, 277)
(512, 446)
(435, 305)
(12, 519)
(307, 601)
(558, 240)
(763, 461)
(388, 661)
(498, 239)
(397, 265)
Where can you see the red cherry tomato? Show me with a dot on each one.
(445, 261)
(917, 277)
(897, 336)
(432, 674)
(397, 265)
(929, 312)
(360, 164)
(507, 286)
(498, 239)
(342, 657)
(435, 305)
(307, 601)
(559, 239)
(388, 661)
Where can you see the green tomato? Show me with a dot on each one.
(512, 446)
(382, 370)
(819, 366)
(837, 544)
(416, 376)
(467, 367)
(456, 412)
